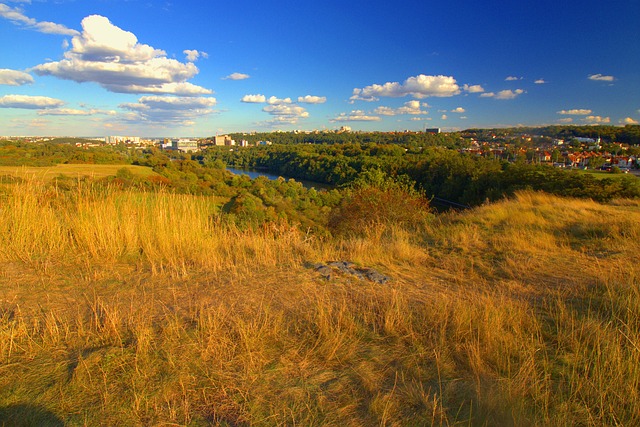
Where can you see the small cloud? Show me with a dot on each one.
(513, 78)
(540, 82)
(473, 88)
(74, 112)
(487, 95)
(19, 18)
(272, 100)
(355, 116)
(509, 94)
(628, 121)
(29, 102)
(254, 99)
(444, 117)
(458, 110)
(194, 55)
(410, 107)
(288, 111)
(565, 120)
(601, 78)
(311, 99)
(14, 77)
(596, 120)
(575, 112)
(236, 76)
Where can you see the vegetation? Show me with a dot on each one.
(438, 172)
(167, 291)
(123, 307)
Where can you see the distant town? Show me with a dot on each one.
(510, 144)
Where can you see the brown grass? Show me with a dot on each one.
(122, 308)
(73, 170)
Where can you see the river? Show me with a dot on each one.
(254, 174)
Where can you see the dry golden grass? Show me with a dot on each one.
(72, 170)
(123, 308)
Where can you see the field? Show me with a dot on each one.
(73, 171)
(127, 308)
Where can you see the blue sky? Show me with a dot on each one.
(199, 68)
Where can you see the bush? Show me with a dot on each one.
(367, 208)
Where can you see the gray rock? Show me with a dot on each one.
(324, 270)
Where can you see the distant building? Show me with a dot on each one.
(221, 140)
(432, 130)
(113, 140)
(185, 145)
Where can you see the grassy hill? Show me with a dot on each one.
(127, 308)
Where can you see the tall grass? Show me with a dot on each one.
(105, 225)
(126, 308)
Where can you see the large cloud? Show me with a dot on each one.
(113, 58)
(19, 18)
(169, 110)
(14, 77)
(29, 102)
(420, 86)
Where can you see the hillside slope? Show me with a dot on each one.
(125, 308)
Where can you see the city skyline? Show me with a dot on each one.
(156, 68)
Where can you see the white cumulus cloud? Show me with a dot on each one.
(473, 88)
(286, 110)
(596, 120)
(74, 112)
(628, 121)
(254, 99)
(575, 112)
(513, 78)
(273, 100)
(601, 78)
(355, 116)
(236, 76)
(458, 110)
(18, 17)
(194, 55)
(113, 58)
(14, 77)
(29, 102)
(169, 110)
(503, 94)
(419, 87)
(311, 99)
(410, 107)
(540, 82)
